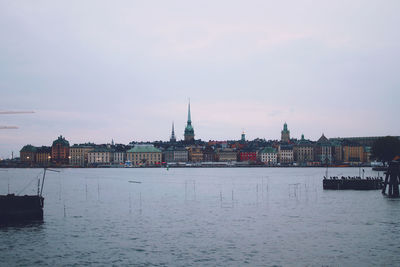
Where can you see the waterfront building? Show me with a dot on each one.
(181, 154)
(119, 156)
(79, 154)
(208, 154)
(226, 154)
(364, 141)
(248, 154)
(195, 153)
(285, 134)
(100, 155)
(353, 152)
(175, 154)
(337, 151)
(28, 154)
(60, 151)
(268, 156)
(144, 155)
(323, 150)
(168, 154)
(189, 131)
(43, 155)
(285, 154)
(172, 138)
(367, 154)
(303, 151)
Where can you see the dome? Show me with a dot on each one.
(28, 148)
(61, 141)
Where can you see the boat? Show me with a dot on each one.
(15, 208)
(20, 208)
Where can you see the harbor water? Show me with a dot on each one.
(200, 217)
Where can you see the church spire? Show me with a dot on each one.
(173, 138)
(189, 131)
(189, 121)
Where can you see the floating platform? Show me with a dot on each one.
(352, 184)
(20, 208)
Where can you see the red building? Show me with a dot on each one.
(248, 155)
(60, 151)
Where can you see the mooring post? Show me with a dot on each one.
(392, 179)
(385, 183)
(395, 185)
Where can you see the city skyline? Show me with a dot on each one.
(124, 72)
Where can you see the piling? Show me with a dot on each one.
(392, 180)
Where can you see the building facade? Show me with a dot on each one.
(28, 154)
(226, 154)
(248, 154)
(303, 151)
(285, 154)
(269, 156)
(195, 153)
(43, 155)
(144, 155)
(100, 155)
(60, 151)
(208, 154)
(79, 154)
(181, 154)
(352, 152)
(323, 150)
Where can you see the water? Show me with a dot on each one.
(197, 217)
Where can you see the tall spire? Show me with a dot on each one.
(189, 117)
(189, 132)
(173, 138)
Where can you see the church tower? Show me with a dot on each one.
(189, 131)
(285, 134)
(173, 138)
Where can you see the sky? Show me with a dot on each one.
(93, 71)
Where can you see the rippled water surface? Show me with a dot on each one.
(198, 217)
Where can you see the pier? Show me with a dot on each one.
(353, 183)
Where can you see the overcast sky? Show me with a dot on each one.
(97, 70)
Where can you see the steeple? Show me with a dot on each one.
(173, 138)
(189, 131)
(189, 121)
(285, 134)
(243, 138)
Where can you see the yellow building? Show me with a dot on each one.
(353, 152)
(28, 154)
(43, 155)
(144, 155)
(195, 153)
(78, 154)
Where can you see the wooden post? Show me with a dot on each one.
(392, 179)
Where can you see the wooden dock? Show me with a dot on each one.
(353, 183)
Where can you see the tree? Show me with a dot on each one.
(385, 149)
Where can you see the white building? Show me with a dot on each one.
(100, 155)
(269, 156)
(285, 154)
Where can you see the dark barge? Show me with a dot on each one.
(15, 208)
(20, 208)
(357, 183)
